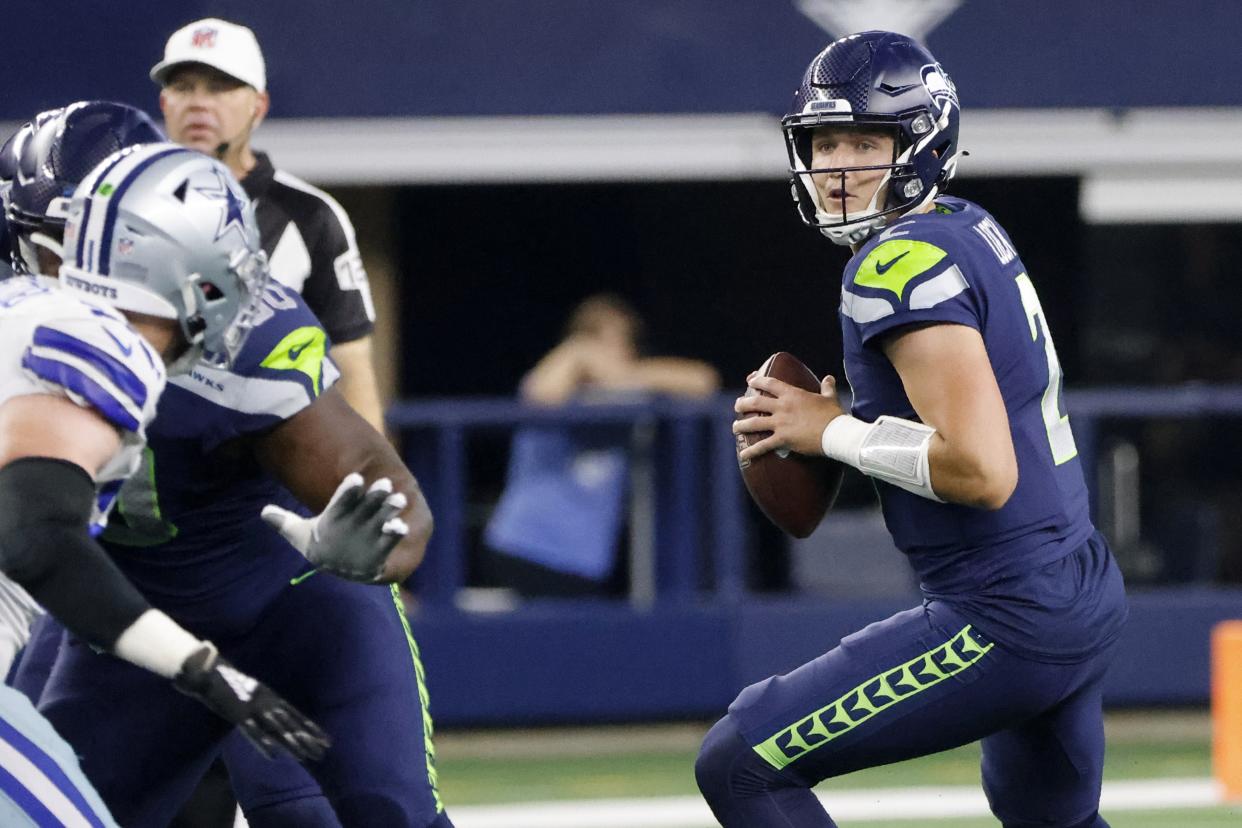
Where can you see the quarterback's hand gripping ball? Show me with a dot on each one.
(793, 490)
(353, 535)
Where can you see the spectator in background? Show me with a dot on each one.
(601, 352)
(213, 95)
(558, 523)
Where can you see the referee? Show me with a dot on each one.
(213, 95)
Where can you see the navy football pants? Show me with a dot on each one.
(920, 682)
(339, 651)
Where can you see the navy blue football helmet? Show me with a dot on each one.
(62, 147)
(9, 154)
(12, 148)
(886, 82)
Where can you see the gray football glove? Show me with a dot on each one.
(353, 535)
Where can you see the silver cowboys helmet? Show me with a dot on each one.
(166, 231)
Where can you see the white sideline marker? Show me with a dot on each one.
(858, 806)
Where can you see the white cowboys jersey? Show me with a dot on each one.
(54, 342)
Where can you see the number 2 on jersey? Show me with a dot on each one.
(1060, 437)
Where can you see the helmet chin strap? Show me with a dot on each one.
(186, 361)
(857, 225)
(858, 215)
(51, 244)
(857, 232)
(189, 298)
(28, 245)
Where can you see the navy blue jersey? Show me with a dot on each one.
(955, 265)
(186, 528)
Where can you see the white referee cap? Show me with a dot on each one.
(220, 44)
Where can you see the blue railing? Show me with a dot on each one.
(666, 655)
(1088, 407)
(698, 514)
(696, 492)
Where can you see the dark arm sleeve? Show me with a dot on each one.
(46, 547)
(337, 289)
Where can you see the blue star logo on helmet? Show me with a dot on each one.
(233, 215)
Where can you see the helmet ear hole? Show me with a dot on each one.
(210, 291)
(943, 151)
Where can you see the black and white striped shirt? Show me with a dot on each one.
(311, 245)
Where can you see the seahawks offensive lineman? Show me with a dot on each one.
(957, 416)
(188, 531)
(82, 366)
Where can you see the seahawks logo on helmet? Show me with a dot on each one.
(939, 86)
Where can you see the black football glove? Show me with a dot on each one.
(268, 721)
(355, 532)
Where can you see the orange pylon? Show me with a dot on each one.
(1227, 706)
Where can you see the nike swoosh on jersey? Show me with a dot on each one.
(302, 349)
(81, 355)
(907, 259)
(128, 350)
(882, 267)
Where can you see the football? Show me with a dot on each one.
(795, 491)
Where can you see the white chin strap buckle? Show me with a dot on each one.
(853, 232)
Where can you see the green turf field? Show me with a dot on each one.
(657, 761)
(1190, 818)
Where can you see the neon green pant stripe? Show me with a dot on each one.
(424, 701)
(300, 578)
(872, 697)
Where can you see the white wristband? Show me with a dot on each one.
(843, 439)
(157, 643)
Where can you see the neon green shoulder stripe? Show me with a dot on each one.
(303, 350)
(893, 264)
